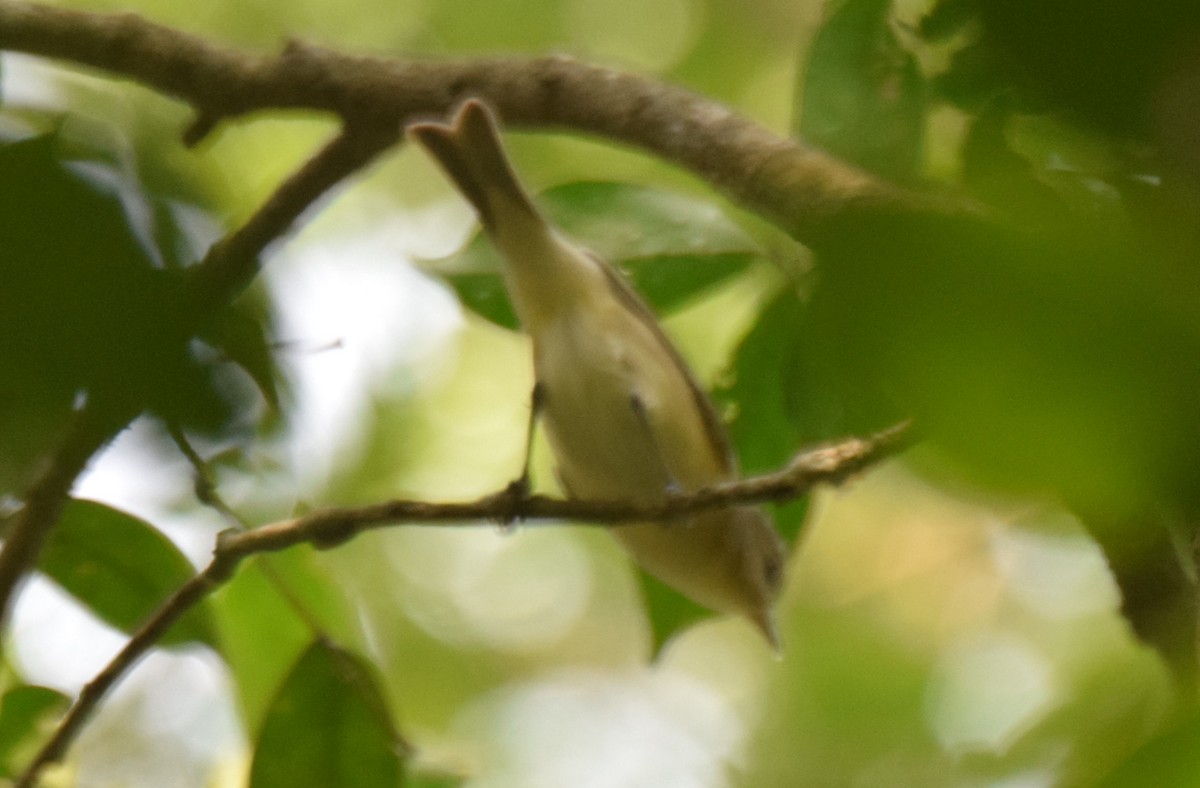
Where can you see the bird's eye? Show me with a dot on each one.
(772, 572)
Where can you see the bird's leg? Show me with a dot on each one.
(537, 400)
(518, 489)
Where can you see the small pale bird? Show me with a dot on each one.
(625, 417)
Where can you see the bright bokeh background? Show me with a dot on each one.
(934, 635)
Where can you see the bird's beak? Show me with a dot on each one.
(765, 622)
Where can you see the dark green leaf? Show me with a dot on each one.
(862, 93)
(782, 399)
(971, 79)
(672, 246)
(753, 390)
(947, 18)
(669, 611)
(767, 425)
(1000, 176)
(87, 302)
(27, 715)
(328, 725)
(121, 569)
(1104, 65)
(242, 336)
(667, 283)
(68, 260)
(624, 221)
(484, 294)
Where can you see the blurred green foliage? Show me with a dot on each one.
(864, 95)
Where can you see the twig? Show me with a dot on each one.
(188, 595)
(827, 465)
(91, 428)
(800, 188)
(208, 494)
(328, 527)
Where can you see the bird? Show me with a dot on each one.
(624, 415)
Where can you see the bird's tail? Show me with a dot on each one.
(470, 151)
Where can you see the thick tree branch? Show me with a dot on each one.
(801, 189)
(827, 465)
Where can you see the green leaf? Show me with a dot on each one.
(753, 389)
(671, 245)
(782, 401)
(328, 725)
(667, 283)
(250, 611)
(669, 612)
(484, 294)
(971, 79)
(624, 221)
(66, 251)
(769, 417)
(862, 93)
(1000, 176)
(121, 568)
(1171, 760)
(27, 715)
(89, 304)
(241, 334)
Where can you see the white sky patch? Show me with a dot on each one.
(135, 479)
(27, 80)
(180, 700)
(515, 592)
(986, 691)
(361, 292)
(1054, 575)
(646, 728)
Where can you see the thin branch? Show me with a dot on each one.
(188, 595)
(208, 494)
(827, 465)
(232, 263)
(329, 527)
(91, 428)
(808, 193)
